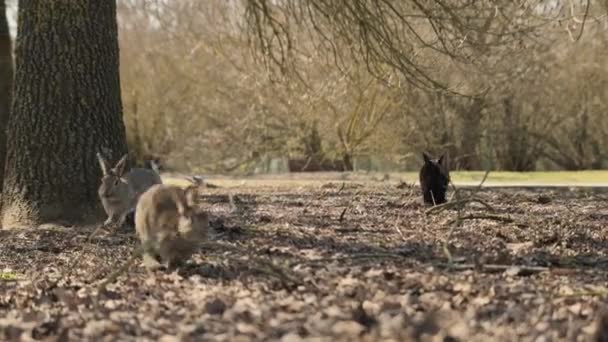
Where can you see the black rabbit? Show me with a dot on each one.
(434, 179)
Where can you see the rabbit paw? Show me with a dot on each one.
(151, 263)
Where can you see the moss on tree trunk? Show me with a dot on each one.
(66, 107)
(6, 82)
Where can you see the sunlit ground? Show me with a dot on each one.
(574, 178)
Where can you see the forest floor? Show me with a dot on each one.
(327, 261)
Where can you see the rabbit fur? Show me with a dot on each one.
(119, 192)
(169, 224)
(434, 179)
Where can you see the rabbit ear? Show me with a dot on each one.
(427, 158)
(103, 164)
(440, 160)
(154, 165)
(119, 169)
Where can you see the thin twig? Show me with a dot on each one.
(483, 180)
(399, 229)
(576, 294)
(269, 268)
(342, 215)
(233, 206)
(363, 256)
(341, 188)
(521, 270)
(458, 204)
(504, 219)
(90, 237)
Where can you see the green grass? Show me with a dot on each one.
(8, 276)
(541, 177)
(497, 178)
(565, 177)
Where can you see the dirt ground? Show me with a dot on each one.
(330, 261)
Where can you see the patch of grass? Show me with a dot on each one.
(8, 276)
(495, 178)
(175, 181)
(540, 177)
(559, 177)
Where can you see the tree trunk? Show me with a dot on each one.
(66, 107)
(347, 159)
(6, 83)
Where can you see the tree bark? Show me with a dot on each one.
(347, 159)
(6, 83)
(66, 107)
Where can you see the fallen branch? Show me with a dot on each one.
(396, 226)
(456, 191)
(504, 219)
(233, 207)
(269, 268)
(100, 227)
(515, 269)
(288, 278)
(459, 203)
(585, 293)
(342, 215)
(483, 180)
(341, 188)
(363, 256)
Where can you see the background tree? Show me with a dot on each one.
(195, 93)
(6, 82)
(401, 35)
(66, 107)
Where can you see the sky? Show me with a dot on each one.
(11, 16)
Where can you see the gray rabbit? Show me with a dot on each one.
(120, 191)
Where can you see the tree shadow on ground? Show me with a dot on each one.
(357, 239)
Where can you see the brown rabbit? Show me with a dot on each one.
(169, 225)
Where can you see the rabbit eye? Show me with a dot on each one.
(116, 182)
